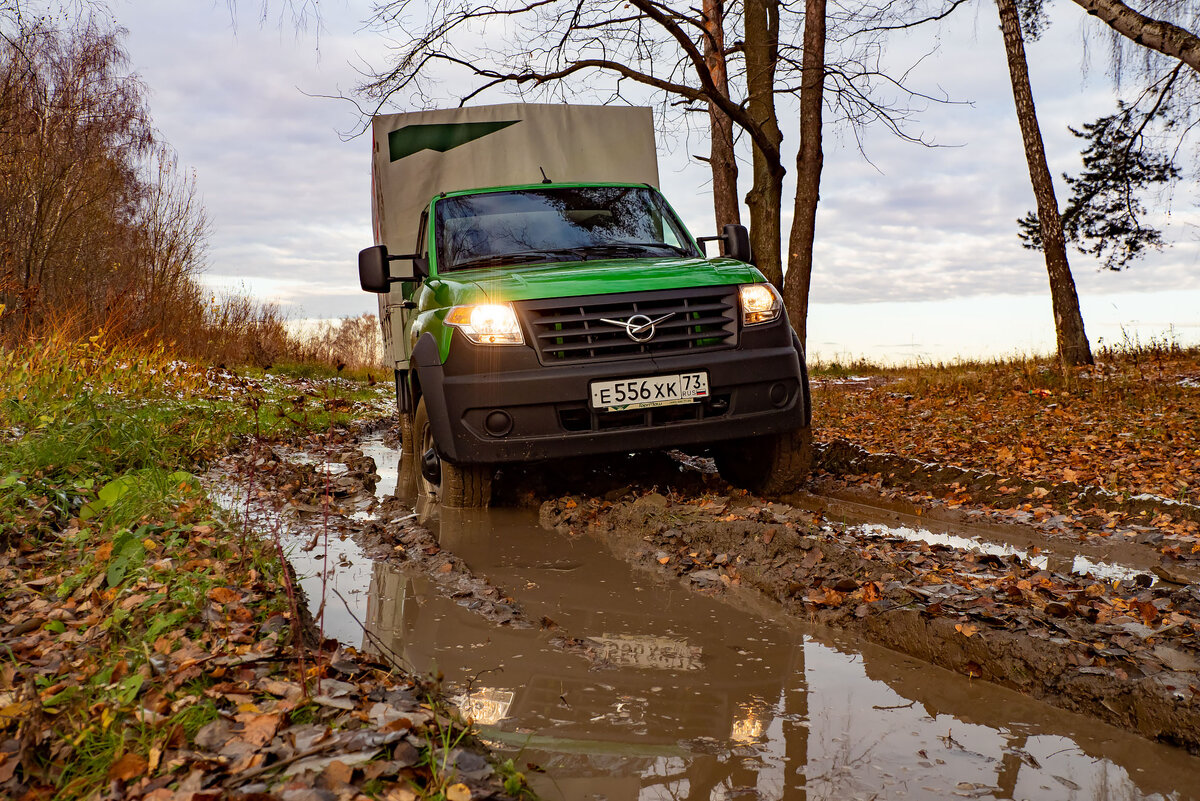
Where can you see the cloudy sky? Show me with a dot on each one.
(917, 253)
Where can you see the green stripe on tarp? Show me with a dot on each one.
(440, 136)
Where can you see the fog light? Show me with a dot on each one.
(498, 423)
(779, 395)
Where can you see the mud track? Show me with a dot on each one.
(998, 619)
(1125, 650)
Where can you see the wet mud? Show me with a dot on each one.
(1124, 652)
(1163, 527)
(650, 634)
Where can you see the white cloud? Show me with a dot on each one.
(289, 199)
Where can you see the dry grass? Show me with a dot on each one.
(1129, 424)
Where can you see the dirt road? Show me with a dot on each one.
(638, 630)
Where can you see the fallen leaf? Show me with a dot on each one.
(223, 595)
(259, 729)
(127, 767)
(458, 792)
(337, 773)
(966, 629)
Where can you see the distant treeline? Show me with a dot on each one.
(100, 229)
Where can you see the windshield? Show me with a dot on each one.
(556, 224)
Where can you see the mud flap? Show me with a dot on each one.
(428, 362)
(804, 386)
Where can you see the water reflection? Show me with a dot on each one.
(694, 698)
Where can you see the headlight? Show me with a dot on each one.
(760, 304)
(487, 324)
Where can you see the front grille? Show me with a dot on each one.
(570, 329)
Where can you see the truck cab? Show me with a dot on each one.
(552, 319)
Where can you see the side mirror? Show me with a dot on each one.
(375, 273)
(737, 243)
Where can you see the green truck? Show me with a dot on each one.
(540, 299)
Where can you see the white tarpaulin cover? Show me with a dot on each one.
(420, 154)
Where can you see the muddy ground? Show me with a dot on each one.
(1120, 643)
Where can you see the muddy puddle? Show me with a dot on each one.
(685, 695)
(1112, 560)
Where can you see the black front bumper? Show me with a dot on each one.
(756, 388)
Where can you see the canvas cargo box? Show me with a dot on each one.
(420, 154)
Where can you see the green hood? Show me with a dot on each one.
(598, 277)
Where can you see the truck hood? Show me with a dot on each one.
(603, 276)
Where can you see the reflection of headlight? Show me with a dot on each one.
(487, 324)
(760, 303)
(750, 727)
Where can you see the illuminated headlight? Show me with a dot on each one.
(487, 324)
(760, 304)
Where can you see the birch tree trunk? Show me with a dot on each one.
(1165, 37)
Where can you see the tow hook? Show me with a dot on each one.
(431, 467)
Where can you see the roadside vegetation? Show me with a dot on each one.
(101, 230)
(148, 644)
(151, 646)
(1129, 424)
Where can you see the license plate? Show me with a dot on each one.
(640, 393)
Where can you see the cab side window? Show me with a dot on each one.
(422, 240)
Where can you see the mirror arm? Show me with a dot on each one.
(421, 265)
(700, 240)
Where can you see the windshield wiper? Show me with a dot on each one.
(637, 247)
(519, 257)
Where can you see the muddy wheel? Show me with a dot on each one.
(458, 486)
(768, 465)
(408, 447)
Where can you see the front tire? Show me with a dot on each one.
(408, 446)
(459, 486)
(768, 465)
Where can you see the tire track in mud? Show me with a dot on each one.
(1124, 653)
(325, 485)
(1070, 511)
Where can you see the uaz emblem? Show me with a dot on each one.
(639, 327)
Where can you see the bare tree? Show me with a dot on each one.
(722, 158)
(809, 163)
(1073, 346)
(173, 231)
(1161, 35)
(97, 224)
(669, 50)
(76, 127)
(1153, 63)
